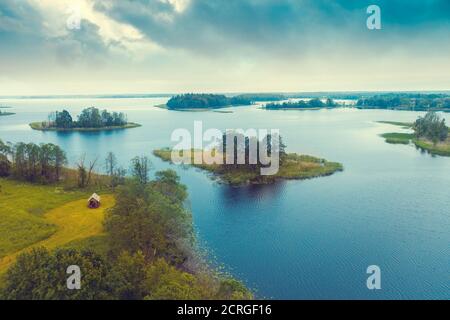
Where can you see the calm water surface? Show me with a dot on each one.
(299, 239)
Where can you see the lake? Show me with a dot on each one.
(299, 239)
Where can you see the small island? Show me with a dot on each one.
(90, 119)
(429, 134)
(292, 166)
(196, 102)
(4, 113)
(313, 104)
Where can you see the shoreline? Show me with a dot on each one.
(439, 149)
(295, 167)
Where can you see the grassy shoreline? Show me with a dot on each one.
(440, 149)
(294, 167)
(39, 126)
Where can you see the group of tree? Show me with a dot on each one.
(431, 127)
(303, 104)
(32, 162)
(89, 118)
(191, 100)
(418, 102)
(151, 252)
(251, 150)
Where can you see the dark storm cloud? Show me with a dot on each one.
(23, 34)
(214, 25)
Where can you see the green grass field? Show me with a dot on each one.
(49, 216)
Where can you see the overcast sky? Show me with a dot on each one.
(156, 46)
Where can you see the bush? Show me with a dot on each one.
(431, 127)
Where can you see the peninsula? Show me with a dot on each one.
(429, 134)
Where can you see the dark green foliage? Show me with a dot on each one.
(146, 219)
(302, 104)
(32, 162)
(63, 119)
(41, 275)
(140, 167)
(418, 102)
(431, 127)
(205, 101)
(89, 118)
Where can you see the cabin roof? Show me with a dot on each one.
(95, 197)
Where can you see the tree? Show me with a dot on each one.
(128, 276)
(140, 168)
(431, 127)
(110, 164)
(63, 119)
(41, 275)
(5, 164)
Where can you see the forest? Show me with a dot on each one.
(399, 101)
(302, 104)
(206, 101)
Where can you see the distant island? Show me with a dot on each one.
(192, 101)
(292, 166)
(3, 113)
(406, 101)
(90, 119)
(313, 104)
(430, 134)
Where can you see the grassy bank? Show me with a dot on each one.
(441, 148)
(36, 215)
(41, 127)
(398, 138)
(293, 167)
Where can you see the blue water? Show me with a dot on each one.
(299, 239)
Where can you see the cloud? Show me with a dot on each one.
(224, 45)
(214, 26)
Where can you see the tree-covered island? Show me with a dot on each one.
(430, 133)
(292, 166)
(193, 101)
(90, 119)
(313, 104)
(5, 113)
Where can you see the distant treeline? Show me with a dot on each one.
(32, 162)
(256, 97)
(418, 102)
(302, 104)
(205, 101)
(89, 118)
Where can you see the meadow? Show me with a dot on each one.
(48, 216)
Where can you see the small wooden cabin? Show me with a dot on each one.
(94, 201)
